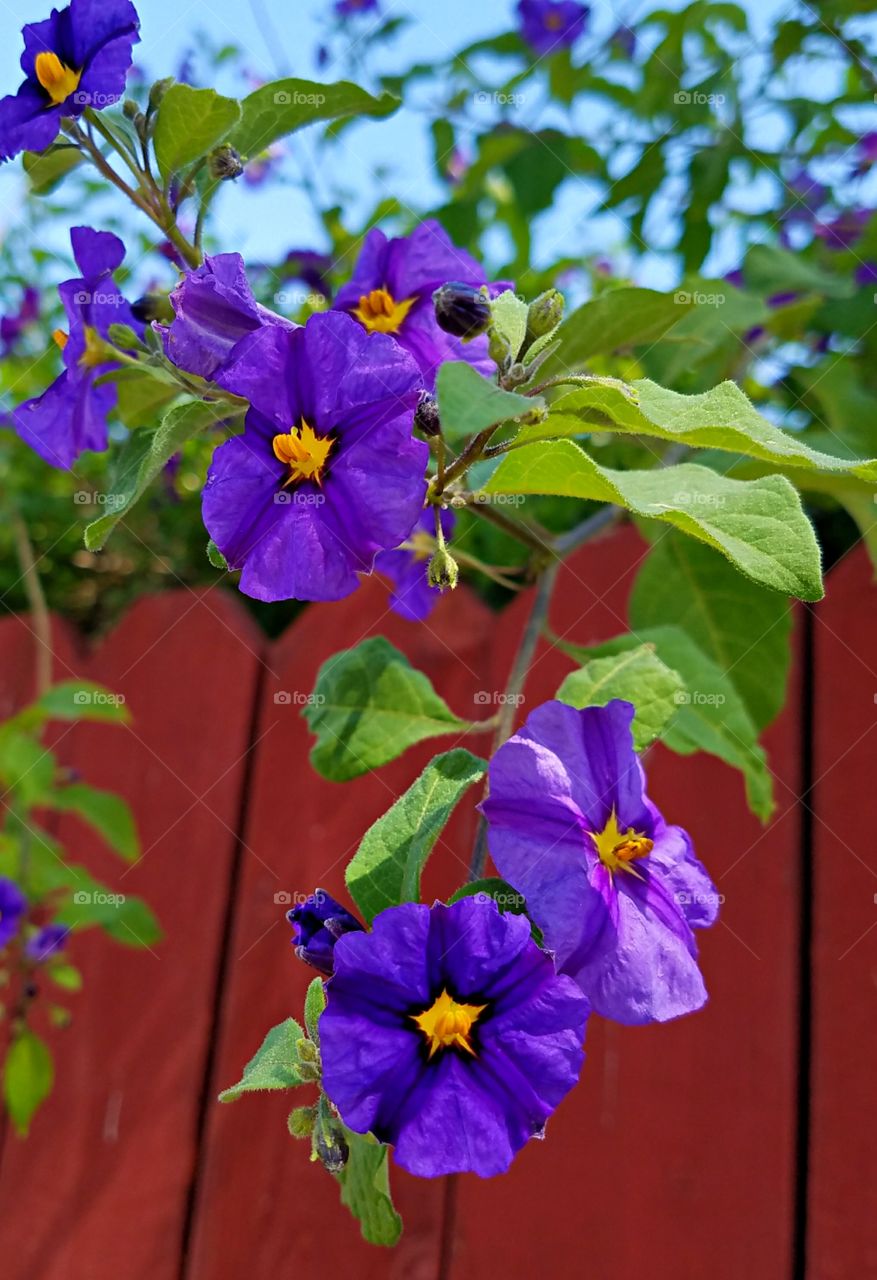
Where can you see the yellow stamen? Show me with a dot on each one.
(96, 350)
(617, 849)
(304, 452)
(60, 338)
(58, 80)
(381, 313)
(446, 1023)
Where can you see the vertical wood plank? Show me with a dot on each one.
(100, 1188)
(259, 1197)
(675, 1154)
(842, 1244)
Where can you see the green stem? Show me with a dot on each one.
(42, 625)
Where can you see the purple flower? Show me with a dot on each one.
(310, 267)
(259, 167)
(615, 890)
(77, 58)
(809, 197)
(214, 309)
(844, 230)
(412, 596)
(327, 472)
(391, 292)
(347, 8)
(46, 942)
(448, 1033)
(72, 414)
(624, 39)
(549, 25)
(13, 905)
(12, 326)
(866, 273)
(317, 924)
(867, 153)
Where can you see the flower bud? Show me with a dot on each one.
(131, 108)
(443, 571)
(224, 163)
(124, 337)
(153, 306)
(330, 1145)
(545, 313)
(301, 1121)
(157, 92)
(461, 309)
(426, 417)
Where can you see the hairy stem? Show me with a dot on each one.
(42, 627)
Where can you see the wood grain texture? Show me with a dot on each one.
(259, 1196)
(674, 1156)
(842, 1243)
(99, 1191)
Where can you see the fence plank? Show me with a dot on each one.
(100, 1189)
(674, 1156)
(843, 1150)
(259, 1196)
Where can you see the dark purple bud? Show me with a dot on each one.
(462, 309)
(224, 163)
(426, 416)
(317, 924)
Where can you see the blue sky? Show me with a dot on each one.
(374, 159)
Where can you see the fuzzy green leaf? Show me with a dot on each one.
(190, 122)
(28, 1077)
(758, 524)
(365, 1189)
(386, 868)
(469, 403)
(103, 810)
(369, 706)
(274, 1066)
(282, 106)
(637, 675)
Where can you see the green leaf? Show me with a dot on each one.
(771, 270)
(190, 122)
(281, 107)
(510, 319)
(365, 1189)
(386, 868)
(123, 917)
(315, 1003)
(469, 403)
(81, 700)
(28, 1077)
(274, 1066)
(105, 811)
(758, 524)
(710, 716)
(144, 455)
(638, 676)
(45, 169)
(723, 418)
(619, 318)
(369, 705)
(66, 976)
(742, 627)
(26, 767)
(215, 556)
(502, 893)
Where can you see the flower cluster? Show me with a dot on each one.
(449, 1032)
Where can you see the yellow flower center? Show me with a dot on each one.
(381, 313)
(58, 80)
(617, 849)
(304, 452)
(96, 350)
(446, 1023)
(553, 20)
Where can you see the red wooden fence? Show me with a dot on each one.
(737, 1144)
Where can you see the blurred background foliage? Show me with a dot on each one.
(734, 166)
